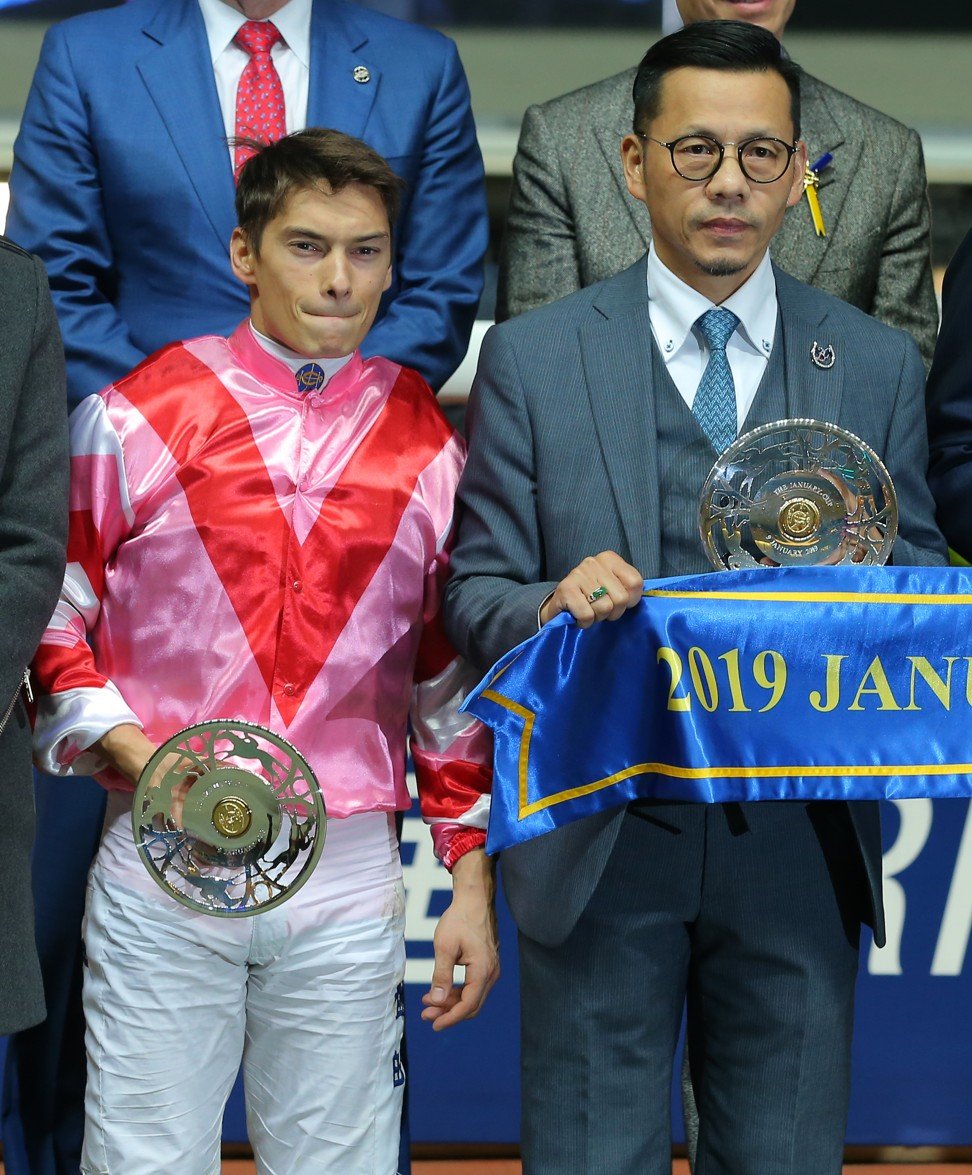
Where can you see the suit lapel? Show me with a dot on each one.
(822, 133)
(339, 45)
(616, 357)
(178, 74)
(812, 392)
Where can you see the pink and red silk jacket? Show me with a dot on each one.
(238, 549)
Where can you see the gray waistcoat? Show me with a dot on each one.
(685, 456)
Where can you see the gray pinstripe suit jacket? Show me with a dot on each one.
(563, 464)
(571, 223)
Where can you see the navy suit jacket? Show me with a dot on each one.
(122, 181)
(950, 406)
(563, 463)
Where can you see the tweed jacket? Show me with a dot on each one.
(570, 225)
(33, 532)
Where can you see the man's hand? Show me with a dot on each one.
(465, 936)
(580, 593)
(127, 750)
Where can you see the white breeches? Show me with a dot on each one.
(306, 996)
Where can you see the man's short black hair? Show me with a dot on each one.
(729, 45)
(308, 159)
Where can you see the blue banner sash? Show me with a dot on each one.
(844, 683)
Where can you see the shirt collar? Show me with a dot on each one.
(294, 361)
(293, 21)
(674, 307)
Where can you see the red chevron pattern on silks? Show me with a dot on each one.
(250, 541)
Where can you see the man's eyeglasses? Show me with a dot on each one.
(698, 157)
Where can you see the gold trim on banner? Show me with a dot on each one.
(813, 597)
(526, 808)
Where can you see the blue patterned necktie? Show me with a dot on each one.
(714, 406)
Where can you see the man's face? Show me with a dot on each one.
(768, 14)
(256, 9)
(322, 266)
(713, 233)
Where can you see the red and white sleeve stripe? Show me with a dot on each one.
(452, 752)
(76, 704)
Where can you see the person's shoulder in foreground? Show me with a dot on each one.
(33, 459)
(33, 526)
(10, 247)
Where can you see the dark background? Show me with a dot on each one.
(859, 15)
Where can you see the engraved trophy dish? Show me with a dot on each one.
(797, 493)
(228, 818)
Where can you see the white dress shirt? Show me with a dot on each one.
(291, 57)
(294, 361)
(674, 308)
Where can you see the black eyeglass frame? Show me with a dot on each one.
(791, 150)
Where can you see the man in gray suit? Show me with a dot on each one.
(593, 423)
(567, 228)
(33, 531)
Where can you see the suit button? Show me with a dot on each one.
(297, 586)
(290, 689)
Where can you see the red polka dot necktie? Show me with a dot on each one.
(260, 110)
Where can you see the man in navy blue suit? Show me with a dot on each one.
(949, 398)
(123, 184)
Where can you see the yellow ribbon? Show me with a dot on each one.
(810, 182)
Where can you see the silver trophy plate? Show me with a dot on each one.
(228, 818)
(797, 493)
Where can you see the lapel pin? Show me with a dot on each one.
(361, 74)
(823, 357)
(310, 377)
(811, 181)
